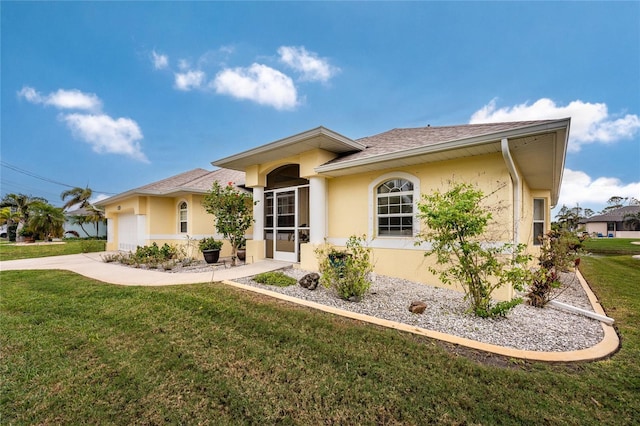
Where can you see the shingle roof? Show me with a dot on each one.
(617, 215)
(401, 139)
(196, 180)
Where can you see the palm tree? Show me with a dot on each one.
(78, 196)
(22, 204)
(47, 220)
(91, 215)
(8, 216)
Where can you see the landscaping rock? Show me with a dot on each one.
(417, 307)
(310, 281)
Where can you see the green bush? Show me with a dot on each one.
(456, 224)
(277, 279)
(346, 271)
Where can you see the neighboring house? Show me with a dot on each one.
(88, 228)
(166, 211)
(613, 223)
(319, 186)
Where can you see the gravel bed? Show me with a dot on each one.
(525, 327)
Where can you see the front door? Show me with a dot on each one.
(285, 247)
(286, 222)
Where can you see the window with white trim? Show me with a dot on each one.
(538, 220)
(394, 208)
(182, 217)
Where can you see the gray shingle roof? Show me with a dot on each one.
(397, 140)
(617, 215)
(196, 181)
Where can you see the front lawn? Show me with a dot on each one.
(78, 351)
(11, 251)
(612, 245)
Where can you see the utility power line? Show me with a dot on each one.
(45, 179)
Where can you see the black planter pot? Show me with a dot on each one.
(211, 256)
(242, 254)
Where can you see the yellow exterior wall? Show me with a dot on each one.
(162, 225)
(349, 214)
(256, 175)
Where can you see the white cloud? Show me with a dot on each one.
(102, 132)
(189, 80)
(106, 135)
(309, 64)
(63, 99)
(579, 188)
(258, 83)
(590, 122)
(160, 61)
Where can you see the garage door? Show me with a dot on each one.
(127, 232)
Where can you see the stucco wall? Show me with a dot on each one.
(349, 213)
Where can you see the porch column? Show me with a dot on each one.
(258, 213)
(317, 209)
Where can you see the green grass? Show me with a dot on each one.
(612, 245)
(29, 251)
(74, 350)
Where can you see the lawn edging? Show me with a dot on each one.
(607, 346)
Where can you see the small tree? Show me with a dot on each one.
(456, 222)
(233, 211)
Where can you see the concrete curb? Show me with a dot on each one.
(608, 345)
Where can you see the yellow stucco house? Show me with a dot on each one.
(319, 186)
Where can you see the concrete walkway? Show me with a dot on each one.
(91, 265)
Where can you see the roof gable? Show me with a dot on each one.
(197, 181)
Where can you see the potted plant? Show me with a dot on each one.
(242, 250)
(210, 248)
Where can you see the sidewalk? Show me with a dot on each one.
(91, 265)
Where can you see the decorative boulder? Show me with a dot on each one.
(417, 307)
(310, 281)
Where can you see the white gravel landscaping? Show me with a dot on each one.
(525, 327)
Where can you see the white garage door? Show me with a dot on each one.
(127, 232)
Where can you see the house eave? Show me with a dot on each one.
(342, 168)
(318, 138)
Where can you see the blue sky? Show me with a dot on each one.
(117, 95)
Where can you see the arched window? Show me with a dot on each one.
(394, 208)
(182, 217)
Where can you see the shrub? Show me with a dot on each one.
(559, 252)
(277, 279)
(457, 222)
(346, 271)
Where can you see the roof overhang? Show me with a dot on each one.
(538, 149)
(318, 138)
(172, 192)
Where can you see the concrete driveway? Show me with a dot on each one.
(91, 265)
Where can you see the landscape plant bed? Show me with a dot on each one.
(525, 327)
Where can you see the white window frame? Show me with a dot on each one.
(373, 207)
(542, 221)
(186, 217)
